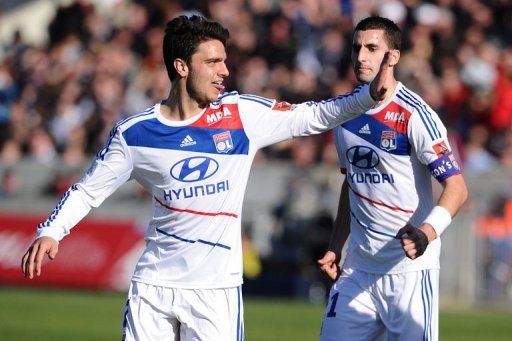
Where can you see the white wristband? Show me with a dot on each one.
(439, 218)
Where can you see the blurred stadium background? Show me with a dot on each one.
(70, 69)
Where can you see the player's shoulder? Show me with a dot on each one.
(226, 98)
(411, 101)
(148, 114)
(425, 115)
(256, 101)
(233, 97)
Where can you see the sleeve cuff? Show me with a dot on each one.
(365, 98)
(52, 232)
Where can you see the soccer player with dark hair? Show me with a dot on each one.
(193, 153)
(388, 285)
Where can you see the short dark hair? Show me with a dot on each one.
(182, 36)
(392, 32)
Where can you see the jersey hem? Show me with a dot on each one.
(170, 284)
(392, 272)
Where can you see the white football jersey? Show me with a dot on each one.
(389, 155)
(196, 171)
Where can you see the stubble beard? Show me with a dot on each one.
(196, 93)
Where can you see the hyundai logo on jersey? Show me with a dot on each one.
(194, 168)
(363, 157)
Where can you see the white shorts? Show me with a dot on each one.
(160, 313)
(366, 306)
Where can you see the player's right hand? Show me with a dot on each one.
(329, 265)
(414, 241)
(378, 86)
(33, 258)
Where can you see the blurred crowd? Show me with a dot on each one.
(58, 101)
(103, 63)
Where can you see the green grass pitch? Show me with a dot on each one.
(29, 314)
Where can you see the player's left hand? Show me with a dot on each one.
(329, 264)
(378, 87)
(414, 241)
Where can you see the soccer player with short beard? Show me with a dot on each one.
(388, 287)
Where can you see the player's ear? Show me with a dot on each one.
(394, 57)
(181, 67)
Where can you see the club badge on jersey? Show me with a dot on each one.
(388, 140)
(223, 142)
(441, 148)
(283, 106)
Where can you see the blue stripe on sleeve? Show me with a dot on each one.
(57, 208)
(420, 114)
(424, 112)
(427, 112)
(356, 91)
(101, 154)
(256, 100)
(263, 99)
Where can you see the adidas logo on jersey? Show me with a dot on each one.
(365, 129)
(188, 141)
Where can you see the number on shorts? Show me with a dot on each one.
(334, 299)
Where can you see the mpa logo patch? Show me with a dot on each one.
(391, 116)
(218, 116)
(223, 142)
(388, 140)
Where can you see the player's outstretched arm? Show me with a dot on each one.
(110, 169)
(266, 123)
(33, 258)
(329, 263)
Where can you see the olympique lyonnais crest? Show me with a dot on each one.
(388, 140)
(223, 142)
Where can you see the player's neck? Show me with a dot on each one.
(180, 106)
(391, 87)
